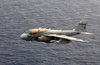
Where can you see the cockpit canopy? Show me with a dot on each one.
(35, 31)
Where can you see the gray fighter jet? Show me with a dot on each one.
(55, 36)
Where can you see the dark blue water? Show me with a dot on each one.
(55, 14)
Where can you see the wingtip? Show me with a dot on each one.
(85, 41)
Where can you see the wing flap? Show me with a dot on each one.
(66, 37)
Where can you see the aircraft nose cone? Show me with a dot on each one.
(24, 36)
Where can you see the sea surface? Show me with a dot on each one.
(55, 14)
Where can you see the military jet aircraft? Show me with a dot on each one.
(55, 36)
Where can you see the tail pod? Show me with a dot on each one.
(82, 26)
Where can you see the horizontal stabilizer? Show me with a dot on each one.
(86, 33)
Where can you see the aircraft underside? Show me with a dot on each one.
(52, 40)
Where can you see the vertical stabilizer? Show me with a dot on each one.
(82, 26)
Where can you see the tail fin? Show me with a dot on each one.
(82, 26)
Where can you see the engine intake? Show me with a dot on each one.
(43, 39)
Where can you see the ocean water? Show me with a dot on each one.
(55, 14)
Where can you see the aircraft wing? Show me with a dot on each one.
(65, 37)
